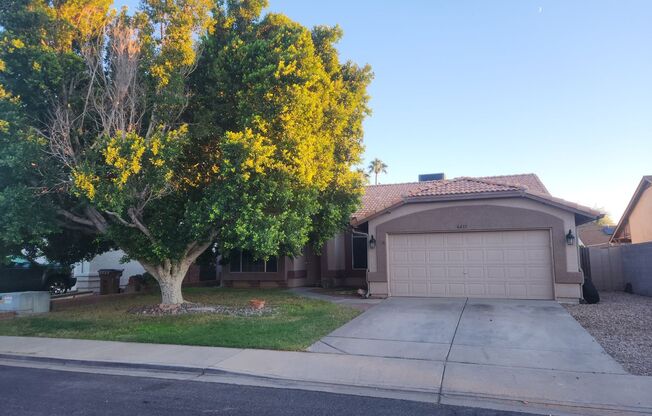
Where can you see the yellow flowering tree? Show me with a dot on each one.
(186, 125)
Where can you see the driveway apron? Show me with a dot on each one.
(507, 333)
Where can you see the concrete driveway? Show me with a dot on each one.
(507, 333)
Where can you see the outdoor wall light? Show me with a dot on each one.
(570, 238)
(372, 242)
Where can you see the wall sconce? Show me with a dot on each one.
(372, 242)
(570, 238)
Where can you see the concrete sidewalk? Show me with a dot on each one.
(527, 389)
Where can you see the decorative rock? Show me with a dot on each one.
(195, 308)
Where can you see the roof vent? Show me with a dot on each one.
(432, 177)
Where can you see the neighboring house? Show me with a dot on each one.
(492, 237)
(87, 275)
(635, 226)
(88, 278)
(594, 234)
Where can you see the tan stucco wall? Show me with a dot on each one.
(572, 259)
(524, 212)
(640, 219)
(298, 263)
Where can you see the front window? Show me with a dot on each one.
(244, 262)
(359, 247)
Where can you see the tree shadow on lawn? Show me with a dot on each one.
(296, 323)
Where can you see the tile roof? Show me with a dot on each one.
(460, 186)
(529, 180)
(378, 198)
(593, 234)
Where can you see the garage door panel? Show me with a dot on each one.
(417, 273)
(517, 291)
(506, 264)
(494, 256)
(437, 273)
(436, 256)
(456, 289)
(455, 273)
(473, 240)
(417, 241)
(399, 257)
(475, 255)
(538, 273)
(496, 273)
(454, 240)
(537, 255)
(455, 256)
(475, 272)
(496, 291)
(515, 272)
(514, 255)
(400, 273)
(475, 290)
(417, 256)
(437, 289)
(435, 240)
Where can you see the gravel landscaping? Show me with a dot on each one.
(192, 308)
(622, 324)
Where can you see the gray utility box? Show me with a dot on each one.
(25, 303)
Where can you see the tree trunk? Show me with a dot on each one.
(171, 290)
(169, 274)
(170, 277)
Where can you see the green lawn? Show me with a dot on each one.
(296, 323)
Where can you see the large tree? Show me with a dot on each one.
(187, 124)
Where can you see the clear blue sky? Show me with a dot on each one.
(473, 88)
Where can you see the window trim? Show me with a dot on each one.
(366, 238)
(264, 266)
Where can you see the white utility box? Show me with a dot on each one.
(25, 303)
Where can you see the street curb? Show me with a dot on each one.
(445, 397)
(231, 377)
(539, 407)
(114, 364)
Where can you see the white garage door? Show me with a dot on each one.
(495, 264)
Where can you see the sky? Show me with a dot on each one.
(558, 88)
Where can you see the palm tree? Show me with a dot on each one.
(376, 167)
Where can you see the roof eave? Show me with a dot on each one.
(581, 216)
(642, 185)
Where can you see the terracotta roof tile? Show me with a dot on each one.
(460, 186)
(529, 180)
(378, 198)
(593, 234)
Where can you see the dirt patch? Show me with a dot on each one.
(622, 324)
(197, 308)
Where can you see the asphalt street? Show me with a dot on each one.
(29, 391)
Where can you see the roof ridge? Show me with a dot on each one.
(401, 183)
(496, 183)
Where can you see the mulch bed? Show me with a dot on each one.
(622, 324)
(197, 308)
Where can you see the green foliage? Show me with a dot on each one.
(114, 127)
(273, 100)
(377, 167)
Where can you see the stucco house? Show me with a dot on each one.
(492, 237)
(88, 278)
(635, 226)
